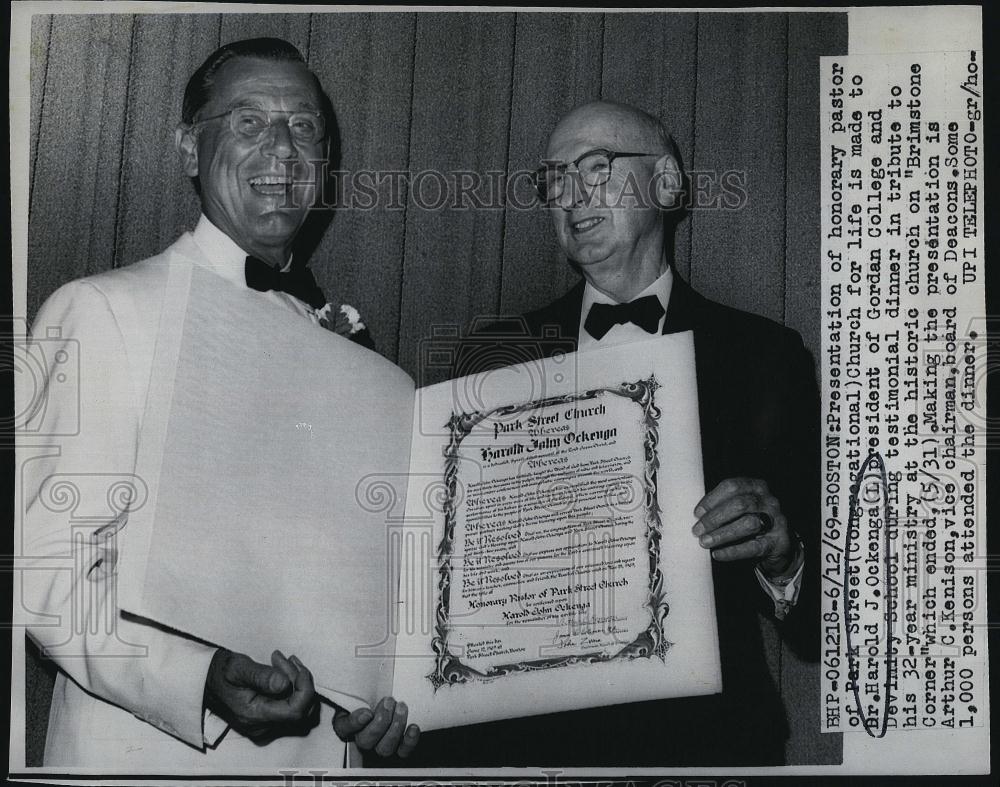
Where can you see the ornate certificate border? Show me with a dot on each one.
(448, 667)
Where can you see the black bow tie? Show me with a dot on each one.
(644, 312)
(298, 281)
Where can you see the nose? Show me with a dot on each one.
(571, 195)
(278, 140)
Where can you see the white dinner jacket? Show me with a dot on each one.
(129, 696)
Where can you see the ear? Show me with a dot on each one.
(186, 143)
(669, 181)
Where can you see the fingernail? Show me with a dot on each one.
(706, 541)
(699, 512)
(389, 704)
(698, 528)
(401, 707)
(365, 716)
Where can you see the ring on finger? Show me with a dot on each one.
(766, 522)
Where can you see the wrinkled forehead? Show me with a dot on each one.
(253, 81)
(597, 127)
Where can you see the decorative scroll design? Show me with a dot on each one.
(448, 667)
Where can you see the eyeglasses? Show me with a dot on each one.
(305, 126)
(594, 168)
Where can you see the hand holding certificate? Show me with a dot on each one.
(478, 559)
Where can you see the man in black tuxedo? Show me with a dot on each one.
(610, 172)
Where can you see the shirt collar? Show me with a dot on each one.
(660, 288)
(223, 256)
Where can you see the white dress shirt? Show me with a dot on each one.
(784, 594)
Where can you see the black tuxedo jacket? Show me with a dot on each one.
(759, 413)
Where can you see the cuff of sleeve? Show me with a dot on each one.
(214, 729)
(784, 593)
(180, 685)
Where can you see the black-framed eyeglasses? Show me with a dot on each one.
(594, 168)
(306, 126)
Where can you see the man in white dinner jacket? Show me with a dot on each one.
(130, 696)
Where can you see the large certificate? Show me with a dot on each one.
(565, 572)
(512, 543)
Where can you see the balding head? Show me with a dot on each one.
(620, 126)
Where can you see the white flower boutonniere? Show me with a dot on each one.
(343, 319)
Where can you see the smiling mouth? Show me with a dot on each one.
(585, 225)
(270, 185)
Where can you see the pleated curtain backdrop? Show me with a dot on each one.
(449, 92)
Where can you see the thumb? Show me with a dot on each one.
(346, 725)
(265, 679)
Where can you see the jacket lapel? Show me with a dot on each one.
(680, 310)
(565, 313)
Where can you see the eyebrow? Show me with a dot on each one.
(258, 102)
